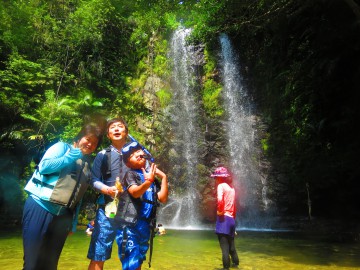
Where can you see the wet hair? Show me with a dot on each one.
(90, 129)
(114, 120)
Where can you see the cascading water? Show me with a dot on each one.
(180, 210)
(241, 132)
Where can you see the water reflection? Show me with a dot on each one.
(265, 250)
(193, 249)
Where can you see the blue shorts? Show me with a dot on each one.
(136, 245)
(225, 225)
(102, 238)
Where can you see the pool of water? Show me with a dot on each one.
(196, 249)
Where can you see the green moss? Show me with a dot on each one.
(164, 96)
(210, 65)
(160, 65)
(264, 144)
(211, 98)
(211, 88)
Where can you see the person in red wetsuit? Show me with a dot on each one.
(226, 213)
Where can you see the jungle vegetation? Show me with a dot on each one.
(66, 62)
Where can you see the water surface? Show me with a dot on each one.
(183, 250)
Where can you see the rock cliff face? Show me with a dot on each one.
(148, 126)
(208, 204)
(161, 125)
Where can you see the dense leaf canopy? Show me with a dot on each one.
(63, 63)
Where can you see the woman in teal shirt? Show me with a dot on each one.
(55, 191)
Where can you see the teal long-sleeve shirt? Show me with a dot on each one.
(57, 157)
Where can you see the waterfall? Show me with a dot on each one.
(241, 134)
(180, 211)
(183, 208)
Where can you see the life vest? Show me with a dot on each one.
(131, 209)
(70, 186)
(106, 164)
(106, 173)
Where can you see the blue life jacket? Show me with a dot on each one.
(131, 209)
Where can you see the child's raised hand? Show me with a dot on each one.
(150, 175)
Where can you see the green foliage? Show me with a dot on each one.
(87, 22)
(164, 96)
(27, 75)
(206, 19)
(160, 64)
(171, 21)
(210, 65)
(62, 61)
(264, 144)
(51, 115)
(15, 27)
(211, 89)
(211, 98)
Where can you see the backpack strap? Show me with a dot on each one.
(106, 164)
(71, 204)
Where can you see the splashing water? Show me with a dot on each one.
(180, 211)
(241, 133)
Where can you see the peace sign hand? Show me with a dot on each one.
(150, 175)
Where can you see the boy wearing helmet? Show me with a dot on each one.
(226, 212)
(137, 206)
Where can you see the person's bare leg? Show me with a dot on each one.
(96, 265)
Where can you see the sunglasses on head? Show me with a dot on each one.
(130, 146)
